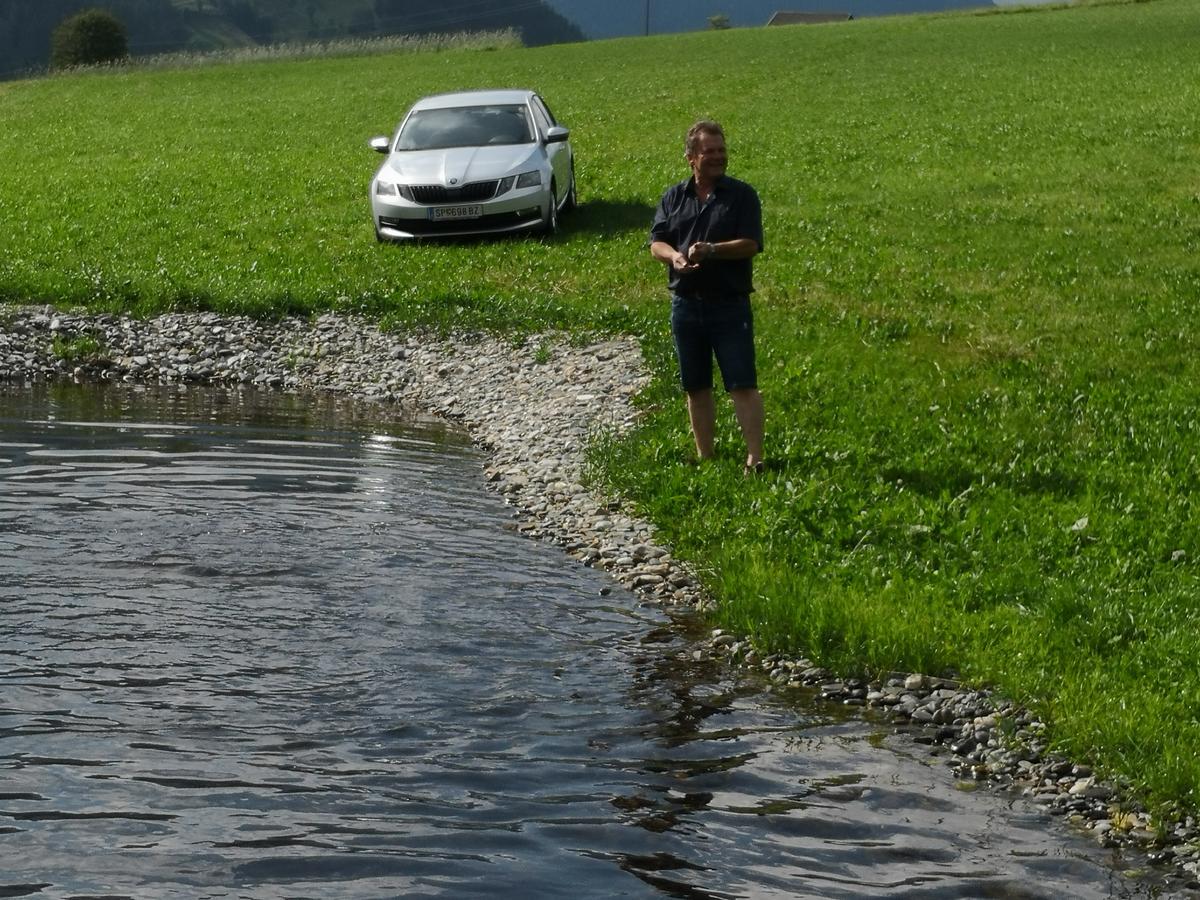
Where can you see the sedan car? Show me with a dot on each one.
(473, 162)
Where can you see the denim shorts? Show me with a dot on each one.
(723, 328)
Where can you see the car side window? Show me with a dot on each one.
(539, 103)
(539, 114)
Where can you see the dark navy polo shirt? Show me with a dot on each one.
(732, 211)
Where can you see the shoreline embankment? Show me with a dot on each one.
(534, 405)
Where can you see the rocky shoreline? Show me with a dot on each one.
(533, 406)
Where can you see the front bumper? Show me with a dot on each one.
(489, 223)
(398, 219)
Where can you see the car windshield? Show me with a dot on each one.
(465, 126)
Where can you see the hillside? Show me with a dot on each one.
(167, 26)
(633, 17)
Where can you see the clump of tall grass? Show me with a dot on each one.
(83, 348)
(500, 39)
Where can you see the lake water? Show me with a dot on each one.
(262, 646)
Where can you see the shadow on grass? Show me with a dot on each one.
(607, 217)
(932, 483)
(598, 217)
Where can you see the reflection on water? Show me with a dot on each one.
(261, 646)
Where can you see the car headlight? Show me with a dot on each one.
(505, 184)
(385, 189)
(529, 179)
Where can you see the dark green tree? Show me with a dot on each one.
(86, 38)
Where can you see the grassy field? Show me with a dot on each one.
(977, 312)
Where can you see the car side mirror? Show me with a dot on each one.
(557, 134)
(380, 144)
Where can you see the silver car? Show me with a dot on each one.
(473, 162)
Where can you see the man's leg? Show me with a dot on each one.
(733, 343)
(702, 412)
(748, 407)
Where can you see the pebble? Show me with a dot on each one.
(533, 409)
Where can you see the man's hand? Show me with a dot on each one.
(681, 263)
(700, 251)
(678, 261)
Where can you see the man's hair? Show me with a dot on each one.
(704, 126)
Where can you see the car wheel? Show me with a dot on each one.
(550, 223)
(572, 200)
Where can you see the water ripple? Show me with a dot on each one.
(270, 647)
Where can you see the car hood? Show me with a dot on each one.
(461, 165)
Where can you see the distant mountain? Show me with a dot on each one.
(537, 22)
(167, 26)
(619, 18)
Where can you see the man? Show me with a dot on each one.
(707, 230)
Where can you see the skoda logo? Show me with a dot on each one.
(454, 181)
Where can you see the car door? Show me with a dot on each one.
(558, 152)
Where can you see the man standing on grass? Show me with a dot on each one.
(707, 230)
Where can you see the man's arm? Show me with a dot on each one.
(738, 248)
(664, 252)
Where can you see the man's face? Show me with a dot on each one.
(708, 162)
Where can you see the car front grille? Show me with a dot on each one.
(429, 194)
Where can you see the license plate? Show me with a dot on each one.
(439, 213)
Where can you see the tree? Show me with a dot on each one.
(718, 22)
(88, 37)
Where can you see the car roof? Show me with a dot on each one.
(474, 98)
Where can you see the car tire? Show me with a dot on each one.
(550, 223)
(572, 200)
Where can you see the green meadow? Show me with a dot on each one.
(977, 312)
